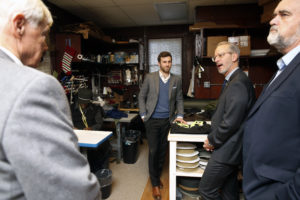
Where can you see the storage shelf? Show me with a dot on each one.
(259, 56)
(174, 138)
(196, 173)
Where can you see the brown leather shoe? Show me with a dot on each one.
(161, 185)
(156, 193)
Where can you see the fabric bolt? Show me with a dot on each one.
(196, 129)
(116, 114)
(69, 53)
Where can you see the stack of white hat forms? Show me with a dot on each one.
(204, 157)
(187, 158)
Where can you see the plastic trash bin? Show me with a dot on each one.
(130, 146)
(105, 179)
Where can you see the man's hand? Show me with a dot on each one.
(178, 119)
(87, 128)
(207, 146)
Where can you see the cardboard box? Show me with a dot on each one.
(243, 43)
(212, 42)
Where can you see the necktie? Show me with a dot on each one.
(224, 85)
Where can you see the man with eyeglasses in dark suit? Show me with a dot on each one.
(219, 181)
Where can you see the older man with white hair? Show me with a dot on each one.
(39, 157)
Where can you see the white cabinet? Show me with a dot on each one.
(173, 171)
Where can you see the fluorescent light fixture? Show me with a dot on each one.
(171, 11)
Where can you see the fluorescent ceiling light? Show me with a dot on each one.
(171, 11)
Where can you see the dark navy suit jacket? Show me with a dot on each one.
(272, 140)
(227, 122)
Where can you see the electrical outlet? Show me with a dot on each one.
(206, 84)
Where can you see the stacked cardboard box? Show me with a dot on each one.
(243, 42)
(212, 42)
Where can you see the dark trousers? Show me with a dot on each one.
(157, 132)
(219, 182)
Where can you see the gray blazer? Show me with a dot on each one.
(228, 120)
(149, 93)
(39, 157)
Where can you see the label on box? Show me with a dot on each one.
(244, 41)
(234, 40)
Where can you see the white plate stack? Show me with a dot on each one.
(187, 158)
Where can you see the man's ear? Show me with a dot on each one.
(19, 25)
(235, 57)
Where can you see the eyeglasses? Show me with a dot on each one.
(220, 55)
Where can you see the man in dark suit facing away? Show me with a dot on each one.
(271, 151)
(219, 180)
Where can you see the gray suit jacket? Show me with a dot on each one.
(227, 122)
(39, 157)
(149, 93)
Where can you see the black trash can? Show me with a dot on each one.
(105, 179)
(130, 146)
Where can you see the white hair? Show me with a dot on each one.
(34, 11)
(232, 47)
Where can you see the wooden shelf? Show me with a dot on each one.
(129, 109)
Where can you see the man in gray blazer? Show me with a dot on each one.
(225, 138)
(39, 157)
(160, 102)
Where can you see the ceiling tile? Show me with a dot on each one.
(132, 2)
(122, 13)
(113, 16)
(142, 14)
(64, 3)
(171, 11)
(95, 3)
(169, 1)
